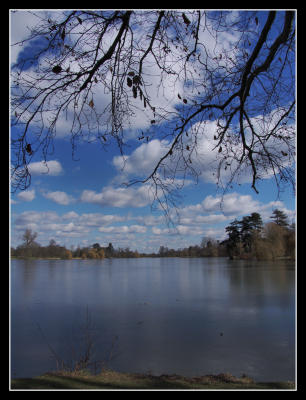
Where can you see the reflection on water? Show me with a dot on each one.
(190, 316)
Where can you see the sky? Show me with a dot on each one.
(79, 198)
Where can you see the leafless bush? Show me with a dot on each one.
(83, 357)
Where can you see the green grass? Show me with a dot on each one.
(116, 380)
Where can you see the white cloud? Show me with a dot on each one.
(59, 197)
(178, 230)
(52, 167)
(39, 218)
(231, 204)
(27, 195)
(157, 231)
(204, 219)
(119, 197)
(208, 163)
(124, 229)
(70, 215)
(97, 219)
(148, 220)
(142, 160)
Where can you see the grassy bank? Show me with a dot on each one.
(115, 380)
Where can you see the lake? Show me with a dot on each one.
(187, 316)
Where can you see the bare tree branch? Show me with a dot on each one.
(174, 74)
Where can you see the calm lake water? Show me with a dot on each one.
(189, 316)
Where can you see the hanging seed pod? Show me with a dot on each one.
(131, 73)
(29, 149)
(185, 101)
(57, 69)
(129, 82)
(134, 92)
(136, 80)
(186, 20)
(144, 102)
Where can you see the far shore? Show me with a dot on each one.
(284, 258)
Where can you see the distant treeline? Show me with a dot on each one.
(248, 238)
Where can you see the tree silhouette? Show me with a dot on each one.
(280, 218)
(97, 72)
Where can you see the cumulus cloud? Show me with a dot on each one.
(206, 161)
(204, 219)
(179, 230)
(27, 195)
(59, 197)
(149, 220)
(119, 197)
(124, 229)
(97, 219)
(45, 218)
(231, 204)
(70, 215)
(35, 219)
(143, 159)
(52, 167)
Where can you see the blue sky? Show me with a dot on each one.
(83, 201)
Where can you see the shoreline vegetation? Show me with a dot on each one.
(112, 380)
(248, 239)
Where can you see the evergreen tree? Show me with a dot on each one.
(96, 246)
(256, 222)
(280, 218)
(110, 251)
(251, 226)
(234, 237)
